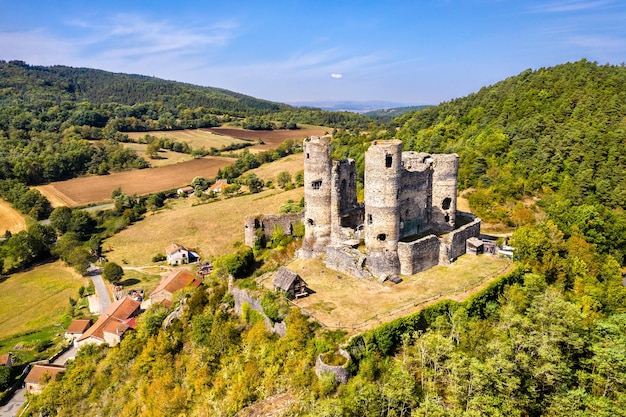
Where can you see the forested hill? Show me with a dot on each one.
(553, 129)
(20, 82)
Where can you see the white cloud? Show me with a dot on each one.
(336, 75)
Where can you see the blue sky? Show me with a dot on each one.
(413, 52)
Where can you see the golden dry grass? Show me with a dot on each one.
(37, 298)
(210, 228)
(196, 138)
(166, 157)
(292, 164)
(10, 219)
(353, 304)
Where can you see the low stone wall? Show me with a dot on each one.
(267, 224)
(453, 245)
(340, 372)
(418, 255)
(242, 296)
(347, 260)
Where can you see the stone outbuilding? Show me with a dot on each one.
(474, 246)
(290, 282)
(5, 360)
(39, 375)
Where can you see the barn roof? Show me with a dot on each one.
(174, 247)
(117, 312)
(38, 371)
(176, 280)
(78, 326)
(284, 278)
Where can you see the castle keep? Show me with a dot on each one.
(408, 220)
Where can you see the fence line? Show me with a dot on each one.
(415, 303)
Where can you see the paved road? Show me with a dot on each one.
(14, 404)
(101, 289)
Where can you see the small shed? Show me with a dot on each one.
(39, 375)
(474, 246)
(77, 328)
(185, 190)
(5, 360)
(290, 282)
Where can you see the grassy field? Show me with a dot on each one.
(10, 219)
(291, 164)
(271, 138)
(355, 305)
(210, 229)
(36, 299)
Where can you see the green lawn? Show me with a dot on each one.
(36, 299)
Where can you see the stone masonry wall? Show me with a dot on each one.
(347, 260)
(242, 296)
(418, 255)
(267, 224)
(453, 245)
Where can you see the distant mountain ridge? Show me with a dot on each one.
(352, 106)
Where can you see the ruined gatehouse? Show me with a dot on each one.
(408, 220)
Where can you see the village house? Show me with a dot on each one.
(5, 360)
(112, 324)
(77, 328)
(39, 375)
(175, 281)
(219, 186)
(289, 282)
(185, 190)
(179, 255)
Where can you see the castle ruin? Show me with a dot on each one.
(408, 220)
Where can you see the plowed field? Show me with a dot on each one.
(10, 219)
(271, 138)
(96, 189)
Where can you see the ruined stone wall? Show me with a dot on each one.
(383, 175)
(267, 224)
(453, 244)
(418, 255)
(347, 260)
(345, 211)
(445, 170)
(242, 296)
(317, 194)
(340, 373)
(415, 196)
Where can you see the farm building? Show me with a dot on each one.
(219, 186)
(185, 190)
(175, 281)
(5, 360)
(77, 328)
(112, 324)
(179, 255)
(290, 282)
(39, 375)
(474, 246)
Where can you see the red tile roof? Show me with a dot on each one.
(38, 371)
(176, 280)
(174, 247)
(4, 359)
(79, 326)
(117, 312)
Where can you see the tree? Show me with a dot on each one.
(283, 179)
(112, 272)
(60, 219)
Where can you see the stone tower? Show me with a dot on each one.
(445, 170)
(383, 176)
(317, 195)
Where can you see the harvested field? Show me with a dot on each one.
(196, 138)
(356, 305)
(166, 157)
(96, 189)
(10, 219)
(292, 164)
(210, 229)
(272, 138)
